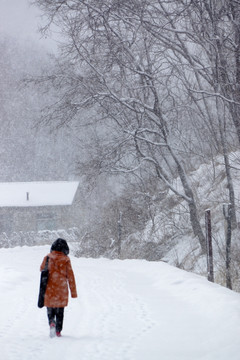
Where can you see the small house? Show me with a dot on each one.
(39, 205)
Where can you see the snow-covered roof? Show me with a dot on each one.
(37, 193)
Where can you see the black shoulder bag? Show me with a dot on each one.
(43, 284)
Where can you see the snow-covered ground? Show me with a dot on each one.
(126, 310)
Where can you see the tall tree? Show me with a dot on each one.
(204, 36)
(119, 71)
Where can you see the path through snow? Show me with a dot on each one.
(126, 310)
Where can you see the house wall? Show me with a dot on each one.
(15, 219)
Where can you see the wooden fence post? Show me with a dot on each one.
(209, 245)
(227, 212)
(119, 233)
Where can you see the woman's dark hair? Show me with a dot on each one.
(60, 245)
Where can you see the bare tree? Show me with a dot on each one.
(146, 71)
(202, 38)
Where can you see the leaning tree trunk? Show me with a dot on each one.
(194, 218)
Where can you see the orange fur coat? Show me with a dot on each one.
(60, 277)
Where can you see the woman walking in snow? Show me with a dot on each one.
(60, 277)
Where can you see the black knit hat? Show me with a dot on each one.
(60, 245)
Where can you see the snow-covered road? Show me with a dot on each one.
(126, 310)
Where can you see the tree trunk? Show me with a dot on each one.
(194, 218)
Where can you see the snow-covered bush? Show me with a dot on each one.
(37, 238)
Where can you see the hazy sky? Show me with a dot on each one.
(20, 20)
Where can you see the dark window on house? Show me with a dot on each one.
(6, 223)
(46, 222)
